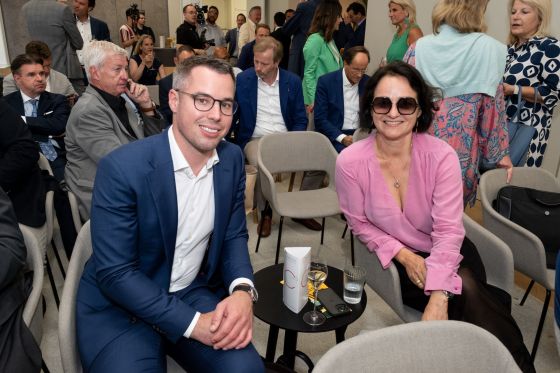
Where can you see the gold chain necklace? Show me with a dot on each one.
(396, 182)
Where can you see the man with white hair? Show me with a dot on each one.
(112, 111)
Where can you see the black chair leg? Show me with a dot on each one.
(260, 231)
(352, 248)
(53, 284)
(323, 231)
(527, 292)
(58, 260)
(345, 230)
(44, 367)
(541, 324)
(279, 239)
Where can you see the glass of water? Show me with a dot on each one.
(354, 279)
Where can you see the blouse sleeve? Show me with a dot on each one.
(311, 56)
(492, 127)
(350, 188)
(447, 228)
(549, 73)
(410, 55)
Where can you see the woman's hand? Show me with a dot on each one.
(508, 89)
(148, 59)
(436, 309)
(415, 266)
(505, 162)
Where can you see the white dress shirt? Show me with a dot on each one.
(195, 221)
(85, 31)
(351, 106)
(269, 113)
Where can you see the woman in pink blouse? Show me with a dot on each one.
(401, 192)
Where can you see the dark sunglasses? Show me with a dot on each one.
(405, 105)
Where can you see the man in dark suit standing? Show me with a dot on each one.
(170, 272)
(165, 84)
(270, 100)
(231, 38)
(337, 98)
(20, 176)
(357, 14)
(297, 28)
(45, 113)
(279, 20)
(54, 23)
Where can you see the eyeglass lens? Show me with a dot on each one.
(405, 105)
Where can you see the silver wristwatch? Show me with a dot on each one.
(249, 289)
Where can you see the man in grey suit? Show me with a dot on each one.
(54, 23)
(57, 82)
(108, 115)
(231, 38)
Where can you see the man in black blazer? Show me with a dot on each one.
(19, 351)
(357, 14)
(165, 84)
(20, 176)
(47, 121)
(285, 40)
(231, 38)
(99, 29)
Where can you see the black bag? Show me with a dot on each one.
(535, 210)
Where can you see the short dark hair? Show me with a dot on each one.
(356, 8)
(38, 48)
(261, 25)
(279, 18)
(289, 11)
(350, 53)
(24, 59)
(184, 48)
(242, 15)
(185, 67)
(133, 11)
(426, 94)
(142, 11)
(91, 4)
(214, 7)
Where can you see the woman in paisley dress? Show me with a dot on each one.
(533, 63)
(471, 115)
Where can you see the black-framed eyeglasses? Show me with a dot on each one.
(204, 102)
(405, 105)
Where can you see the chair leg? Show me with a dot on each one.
(352, 248)
(279, 239)
(345, 230)
(53, 284)
(322, 230)
(541, 324)
(527, 292)
(292, 180)
(260, 230)
(58, 260)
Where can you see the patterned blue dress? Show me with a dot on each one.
(535, 63)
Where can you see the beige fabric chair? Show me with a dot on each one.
(495, 254)
(430, 346)
(153, 90)
(528, 250)
(293, 152)
(67, 312)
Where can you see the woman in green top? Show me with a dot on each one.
(403, 15)
(320, 53)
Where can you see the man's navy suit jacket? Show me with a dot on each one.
(99, 29)
(165, 85)
(329, 105)
(357, 37)
(246, 56)
(291, 104)
(133, 230)
(52, 114)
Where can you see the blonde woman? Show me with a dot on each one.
(402, 14)
(471, 115)
(532, 67)
(144, 67)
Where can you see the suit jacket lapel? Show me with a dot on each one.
(284, 91)
(112, 114)
(162, 184)
(253, 94)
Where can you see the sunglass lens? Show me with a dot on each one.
(382, 105)
(406, 105)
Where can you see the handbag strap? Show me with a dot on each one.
(521, 102)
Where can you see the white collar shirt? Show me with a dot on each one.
(351, 103)
(269, 113)
(87, 37)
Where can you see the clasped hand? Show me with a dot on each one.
(229, 326)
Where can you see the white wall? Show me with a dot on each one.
(379, 33)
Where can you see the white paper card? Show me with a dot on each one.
(296, 268)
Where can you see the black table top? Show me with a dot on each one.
(270, 307)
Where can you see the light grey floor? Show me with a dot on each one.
(377, 314)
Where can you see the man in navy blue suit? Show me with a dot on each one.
(337, 98)
(166, 84)
(45, 113)
(357, 14)
(231, 38)
(170, 270)
(270, 100)
(246, 56)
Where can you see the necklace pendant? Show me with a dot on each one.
(396, 184)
